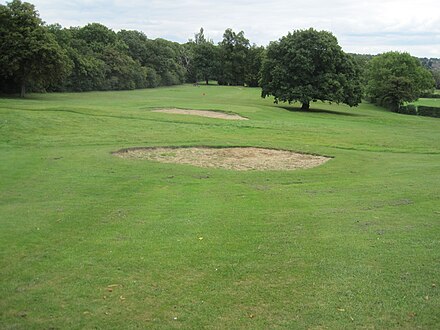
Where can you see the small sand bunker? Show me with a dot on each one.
(202, 113)
(236, 158)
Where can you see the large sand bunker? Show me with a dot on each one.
(202, 113)
(235, 158)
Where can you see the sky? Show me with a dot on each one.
(366, 27)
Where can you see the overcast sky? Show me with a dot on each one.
(372, 26)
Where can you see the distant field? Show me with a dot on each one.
(90, 240)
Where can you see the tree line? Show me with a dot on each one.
(39, 57)
(304, 66)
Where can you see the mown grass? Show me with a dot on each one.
(429, 102)
(91, 240)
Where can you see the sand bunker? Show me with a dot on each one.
(236, 158)
(202, 113)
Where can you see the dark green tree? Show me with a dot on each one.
(97, 36)
(88, 72)
(204, 57)
(394, 78)
(165, 60)
(122, 72)
(309, 65)
(29, 53)
(233, 52)
(102, 59)
(140, 48)
(436, 75)
(137, 44)
(253, 66)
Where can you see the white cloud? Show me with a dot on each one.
(370, 26)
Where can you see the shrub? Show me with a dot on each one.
(401, 109)
(409, 109)
(428, 111)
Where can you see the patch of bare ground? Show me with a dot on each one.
(234, 158)
(202, 113)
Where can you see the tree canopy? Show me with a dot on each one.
(309, 65)
(394, 78)
(436, 75)
(204, 57)
(233, 54)
(304, 66)
(29, 52)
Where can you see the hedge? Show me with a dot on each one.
(421, 110)
(409, 109)
(428, 111)
(430, 96)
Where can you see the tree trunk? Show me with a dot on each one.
(207, 81)
(305, 106)
(23, 88)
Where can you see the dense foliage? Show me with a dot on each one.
(309, 65)
(433, 65)
(428, 111)
(436, 74)
(303, 66)
(29, 53)
(394, 78)
(421, 110)
(203, 58)
(94, 57)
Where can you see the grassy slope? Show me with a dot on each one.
(353, 243)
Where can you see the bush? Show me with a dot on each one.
(428, 111)
(401, 109)
(409, 109)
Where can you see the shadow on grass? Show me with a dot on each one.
(27, 97)
(317, 110)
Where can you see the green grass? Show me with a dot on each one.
(350, 244)
(429, 102)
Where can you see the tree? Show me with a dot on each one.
(233, 51)
(436, 75)
(253, 66)
(164, 60)
(394, 78)
(97, 36)
(309, 65)
(137, 44)
(204, 57)
(29, 52)
(187, 56)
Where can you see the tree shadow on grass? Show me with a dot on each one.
(317, 110)
(28, 97)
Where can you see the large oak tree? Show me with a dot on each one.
(309, 65)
